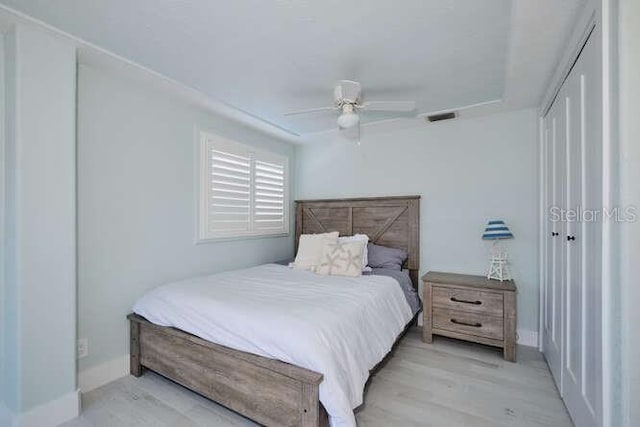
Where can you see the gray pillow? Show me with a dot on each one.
(384, 257)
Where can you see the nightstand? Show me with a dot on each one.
(470, 308)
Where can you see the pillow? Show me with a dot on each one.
(384, 257)
(342, 259)
(310, 249)
(358, 238)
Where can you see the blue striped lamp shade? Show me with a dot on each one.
(497, 229)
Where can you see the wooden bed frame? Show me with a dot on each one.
(269, 391)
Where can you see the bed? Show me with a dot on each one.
(274, 382)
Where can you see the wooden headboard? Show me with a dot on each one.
(388, 221)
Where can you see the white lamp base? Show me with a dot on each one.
(499, 266)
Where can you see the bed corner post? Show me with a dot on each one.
(299, 228)
(313, 413)
(134, 350)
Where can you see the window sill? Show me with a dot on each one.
(201, 241)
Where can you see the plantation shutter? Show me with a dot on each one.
(230, 192)
(243, 191)
(269, 210)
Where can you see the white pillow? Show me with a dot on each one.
(310, 249)
(342, 259)
(359, 238)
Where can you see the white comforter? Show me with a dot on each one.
(338, 326)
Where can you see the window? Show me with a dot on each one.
(243, 190)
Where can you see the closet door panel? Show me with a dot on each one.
(549, 232)
(574, 104)
(559, 268)
(554, 295)
(582, 381)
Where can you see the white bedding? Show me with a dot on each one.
(338, 326)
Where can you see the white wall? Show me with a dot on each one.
(629, 110)
(39, 249)
(467, 171)
(137, 205)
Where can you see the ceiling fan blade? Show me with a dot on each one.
(392, 106)
(312, 110)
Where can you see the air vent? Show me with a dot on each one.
(442, 116)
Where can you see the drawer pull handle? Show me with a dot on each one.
(473, 325)
(454, 299)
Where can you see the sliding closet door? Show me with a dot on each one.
(581, 377)
(555, 140)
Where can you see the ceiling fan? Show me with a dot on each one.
(347, 101)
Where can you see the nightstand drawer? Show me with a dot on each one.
(468, 323)
(488, 303)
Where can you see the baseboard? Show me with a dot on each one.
(67, 407)
(100, 375)
(528, 338)
(52, 413)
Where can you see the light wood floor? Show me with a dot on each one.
(449, 383)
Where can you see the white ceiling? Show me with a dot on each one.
(267, 57)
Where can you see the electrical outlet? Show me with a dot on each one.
(83, 348)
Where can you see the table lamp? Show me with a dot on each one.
(497, 230)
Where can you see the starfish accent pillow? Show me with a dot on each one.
(342, 259)
(358, 238)
(310, 249)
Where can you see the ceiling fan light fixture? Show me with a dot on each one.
(347, 99)
(348, 120)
